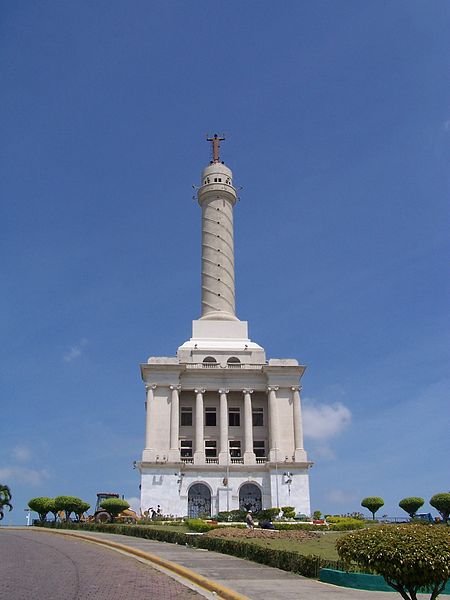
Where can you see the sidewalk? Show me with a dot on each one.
(247, 579)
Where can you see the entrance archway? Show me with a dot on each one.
(199, 501)
(250, 497)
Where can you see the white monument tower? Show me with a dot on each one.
(223, 424)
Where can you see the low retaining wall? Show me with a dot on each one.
(360, 581)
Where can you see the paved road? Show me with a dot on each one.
(36, 566)
(48, 565)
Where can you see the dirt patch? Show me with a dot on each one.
(235, 533)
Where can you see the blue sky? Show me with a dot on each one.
(337, 120)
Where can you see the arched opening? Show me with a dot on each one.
(199, 501)
(233, 362)
(250, 497)
(210, 362)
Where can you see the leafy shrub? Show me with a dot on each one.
(288, 512)
(42, 505)
(345, 523)
(441, 502)
(267, 514)
(68, 504)
(199, 525)
(411, 505)
(231, 515)
(114, 506)
(283, 526)
(409, 557)
(5, 497)
(372, 503)
(82, 508)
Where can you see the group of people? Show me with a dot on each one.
(152, 513)
(267, 524)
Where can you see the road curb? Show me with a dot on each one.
(203, 582)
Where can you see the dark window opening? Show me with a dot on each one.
(186, 448)
(258, 417)
(210, 417)
(210, 448)
(209, 359)
(186, 416)
(235, 449)
(234, 417)
(259, 448)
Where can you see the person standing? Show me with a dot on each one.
(249, 520)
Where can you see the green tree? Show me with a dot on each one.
(82, 508)
(5, 497)
(52, 508)
(42, 505)
(411, 505)
(68, 504)
(288, 512)
(372, 503)
(409, 557)
(114, 506)
(441, 502)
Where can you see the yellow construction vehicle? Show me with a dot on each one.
(103, 516)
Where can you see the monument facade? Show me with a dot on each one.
(223, 424)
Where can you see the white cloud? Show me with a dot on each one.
(324, 421)
(446, 125)
(21, 453)
(324, 451)
(75, 352)
(23, 475)
(343, 497)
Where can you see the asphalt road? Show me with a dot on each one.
(47, 567)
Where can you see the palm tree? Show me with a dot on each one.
(5, 497)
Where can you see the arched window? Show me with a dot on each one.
(210, 362)
(199, 501)
(233, 362)
(250, 497)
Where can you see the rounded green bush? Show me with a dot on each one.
(409, 557)
(411, 505)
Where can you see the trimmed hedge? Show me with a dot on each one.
(199, 526)
(308, 566)
(290, 526)
(345, 523)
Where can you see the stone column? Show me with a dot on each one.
(224, 457)
(174, 451)
(149, 452)
(273, 423)
(199, 451)
(149, 405)
(249, 455)
(299, 452)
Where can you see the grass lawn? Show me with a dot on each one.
(323, 546)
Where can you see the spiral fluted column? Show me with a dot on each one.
(217, 198)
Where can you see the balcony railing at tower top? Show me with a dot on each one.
(209, 365)
(189, 460)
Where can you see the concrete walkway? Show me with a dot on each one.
(236, 578)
